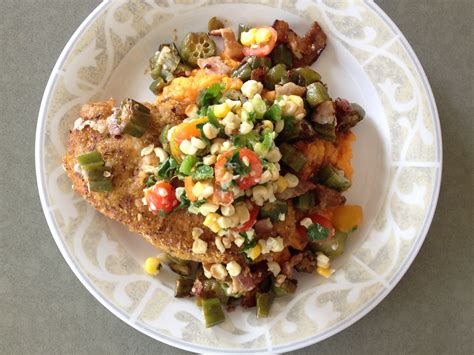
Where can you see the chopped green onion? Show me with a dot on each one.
(273, 113)
(259, 107)
(316, 93)
(264, 303)
(187, 164)
(292, 157)
(333, 178)
(212, 310)
(203, 172)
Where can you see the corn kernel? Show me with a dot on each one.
(263, 35)
(221, 110)
(248, 38)
(152, 266)
(199, 246)
(255, 252)
(234, 268)
(324, 272)
(282, 184)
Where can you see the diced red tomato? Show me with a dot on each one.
(249, 224)
(161, 198)
(322, 221)
(262, 50)
(222, 197)
(249, 179)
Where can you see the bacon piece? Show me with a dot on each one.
(232, 48)
(305, 49)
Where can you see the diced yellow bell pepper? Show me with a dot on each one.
(255, 252)
(282, 184)
(347, 217)
(324, 272)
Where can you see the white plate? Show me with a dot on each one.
(397, 160)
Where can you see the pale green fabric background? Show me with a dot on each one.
(45, 309)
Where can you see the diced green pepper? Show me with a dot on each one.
(333, 178)
(242, 72)
(164, 135)
(292, 157)
(316, 93)
(281, 54)
(287, 287)
(303, 76)
(275, 76)
(325, 131)
(305, 201)
(212, 310)
(256, 62)
(183, 287)
(264, 303)
(187, 164)
(240, 29)
(332, 247)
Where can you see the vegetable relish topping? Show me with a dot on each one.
(259, 158)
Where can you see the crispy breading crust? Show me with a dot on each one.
(171, 234)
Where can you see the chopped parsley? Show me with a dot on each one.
(203, 172)
(235, 163)
(317, 232)
(210, 95)
(167, 169)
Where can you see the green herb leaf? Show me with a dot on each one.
(184, 202)
(198, 203)
(203, 172)
(235, 163)
(245, 140)
(150, 181)
(167, 169)
(210, 95)
(317, 232)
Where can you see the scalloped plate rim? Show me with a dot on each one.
(39, 140)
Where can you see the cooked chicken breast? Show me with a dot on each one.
(171, 234)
